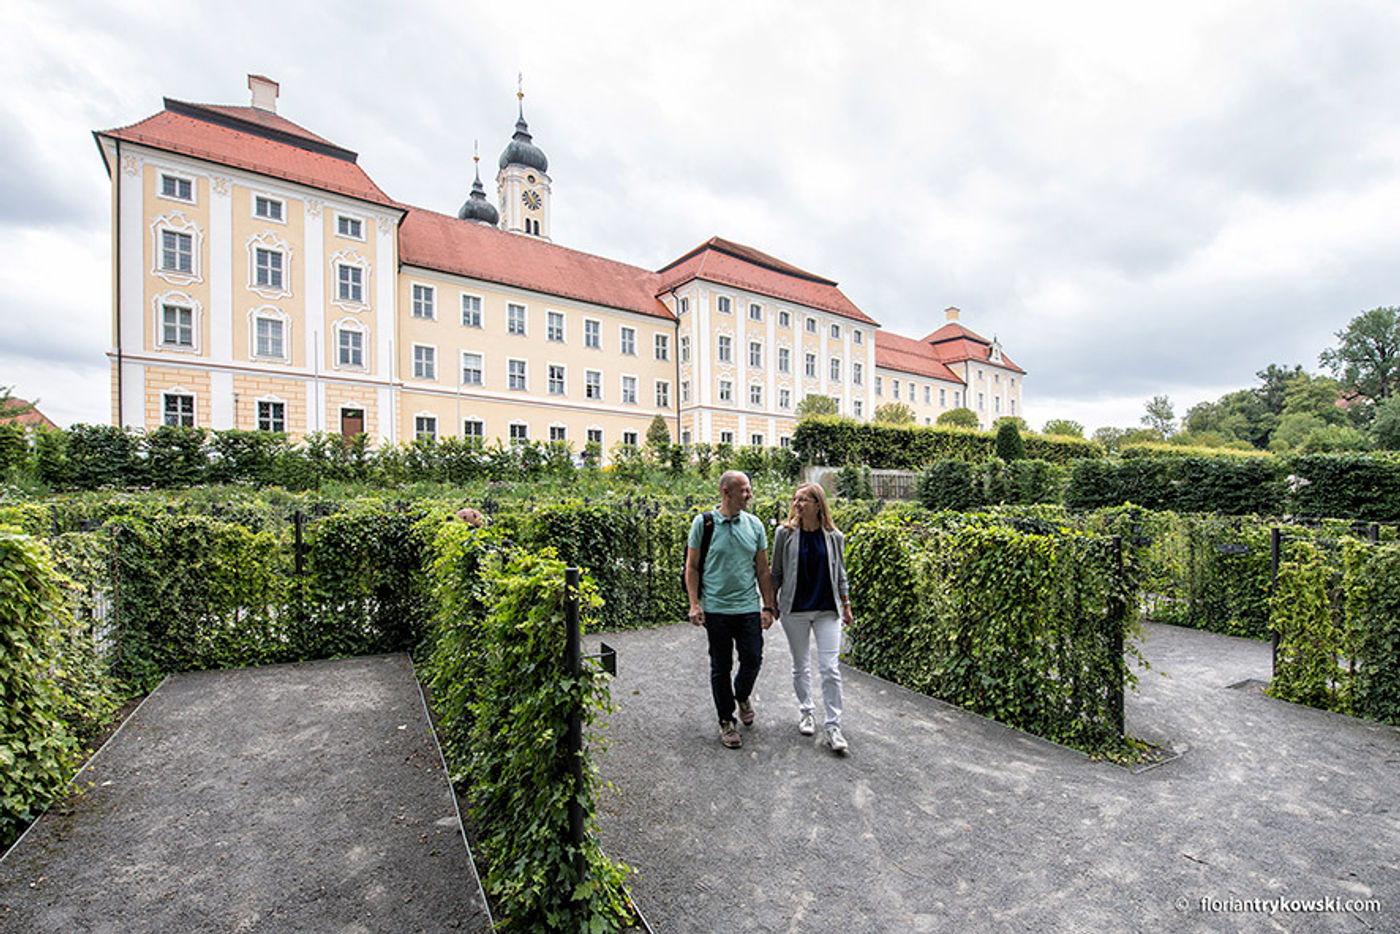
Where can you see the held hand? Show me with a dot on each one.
(847, 618)
(766, 620)
(697, 616)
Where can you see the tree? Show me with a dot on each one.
(1064, 426)
(1160, 416)
(1385, 427)
(10, 407)
(1016, 420)
(817, 404)
(1009, 445)
(658, 435)
(1367, 357)
(958, 418)
(894, 413)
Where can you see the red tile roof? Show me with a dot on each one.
(727, 263)
(255, 140)
(33, 417)
(906, 355)
(438, 241)
(954, 343)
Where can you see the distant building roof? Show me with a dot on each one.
(727, 263)
(907, 355)
(447, 244)
(954, 343)
(33, 417)
(255, 140)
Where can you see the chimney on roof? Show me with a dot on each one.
(264, 93)
(951, 313)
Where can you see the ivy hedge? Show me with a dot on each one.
(837, 441)
(1028, 628)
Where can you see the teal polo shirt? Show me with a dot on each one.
(730, 584)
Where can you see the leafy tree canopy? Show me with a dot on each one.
(958, 418)
(1367, 357)
(658, 435)
(894, 413)
(1064, 426)
(1385, 428)
(817, 404)
(1160, 416)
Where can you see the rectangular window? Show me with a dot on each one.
(756, 440)
(784, 398)
(629, 390)
(424, 362)
(662, 346)
(856, 336)
(267, 268)
(836, 332)
(423, 300)
(785, 442)
(942, 398)
(515, 374)
(722, 303)
(928, 395)
(629, 438)
(471, 369)
(683, 307)
(172, 186)
(755, 354)
(424, 428)
(350, 348)
(350, 227)
(996, 404)
(272, 416)
(554, 326)
(996, 377)
(726, 437)
(894, 388)
(957, 398)
(835, 370)
(1013, 382)
(558, 433)
(556, 379)
(471, 311)
(595, 435)
(176, 251)
(857, 373)
(176, 326)
(268, 339)
(811, 325)
(663, 394)
(515, 319)
(685, 349)
(179, 411)
(685, 391)
(592, 334)
(755, 311)
(519, 433)
(726, 349)
(810, 366)
(627, 341)
(685, 437)
(857, 407)
(350, 283)
(784, 360)
(726, 391)
(784, 319)
(267, 208)
(756, 395)
(981, 402)
(879, 385)
(1013, 406)
(593, 384)
(474, 429)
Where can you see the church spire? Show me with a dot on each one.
(476, 207)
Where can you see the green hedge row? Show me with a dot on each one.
(495, 664)
(1027, 628)
(837, 441)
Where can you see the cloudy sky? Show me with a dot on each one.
(1135, 201)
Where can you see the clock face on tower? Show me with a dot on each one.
(531, 199)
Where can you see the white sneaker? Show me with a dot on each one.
(807, 726)
(835, 740)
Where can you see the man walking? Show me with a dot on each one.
(724, 585)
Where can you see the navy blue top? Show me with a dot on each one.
(813, 574)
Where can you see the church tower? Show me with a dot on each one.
(522, 183)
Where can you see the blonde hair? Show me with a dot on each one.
(794, 521)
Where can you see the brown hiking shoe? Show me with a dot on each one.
(746, 712)
(729, 735)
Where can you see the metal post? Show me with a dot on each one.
(1275, 549)
(299, 523)
(1117, 612)
(573, 659)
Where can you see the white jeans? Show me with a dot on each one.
(799, 628)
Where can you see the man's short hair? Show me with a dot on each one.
(730, 477)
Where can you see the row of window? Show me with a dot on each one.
(911, 393)
(517, 377)
(725, 354)
(265, 207)
(425, 428)
(725, 306)
(269, 267)
(178, 412)
(424, 306)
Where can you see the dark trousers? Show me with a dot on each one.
(727, 632)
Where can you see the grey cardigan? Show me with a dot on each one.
(786, 545)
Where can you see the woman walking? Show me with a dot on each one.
(809, 574)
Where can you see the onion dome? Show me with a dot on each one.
(521, 150)
(476, 207)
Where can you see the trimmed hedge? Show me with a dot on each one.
(1234, 486)
(838, 441)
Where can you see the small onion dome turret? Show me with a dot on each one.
(521, 150)
(476, 207)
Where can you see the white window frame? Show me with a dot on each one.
(425, 362)
(479, 436)
(280, 218)
(661, 346)
(726, 391)
(857, 336)
(593, 333)
(518, 428)
(189, 181)
(551, 319)
(627, 340)
(756, 355)
(756, 395)
(349, 259)
(343, 221)
(809, 365)
(685, 348)
(179, 225)
(685, 391)
(630, 439)
(593, 385)
(517, 319)
(424, 426)
(627, 389)
(351, 326)
(755, 311)
(562, 381)
(784, 319)
(258, 413)
(177, 300)
(517, 369)
(471, 317)
(755, 439)
(422, 299)
(724, 349)
(811, 325)
(784, 359)
(724, 305)
(558, 432)
(785, 399)
(270, 314)
(857, 407)
(178, 392)
(833, 372)
(662, 393)
(593, 434)
(269, 242)
(726, 437)
(835, 331)
(857, 373)
(480, 368)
